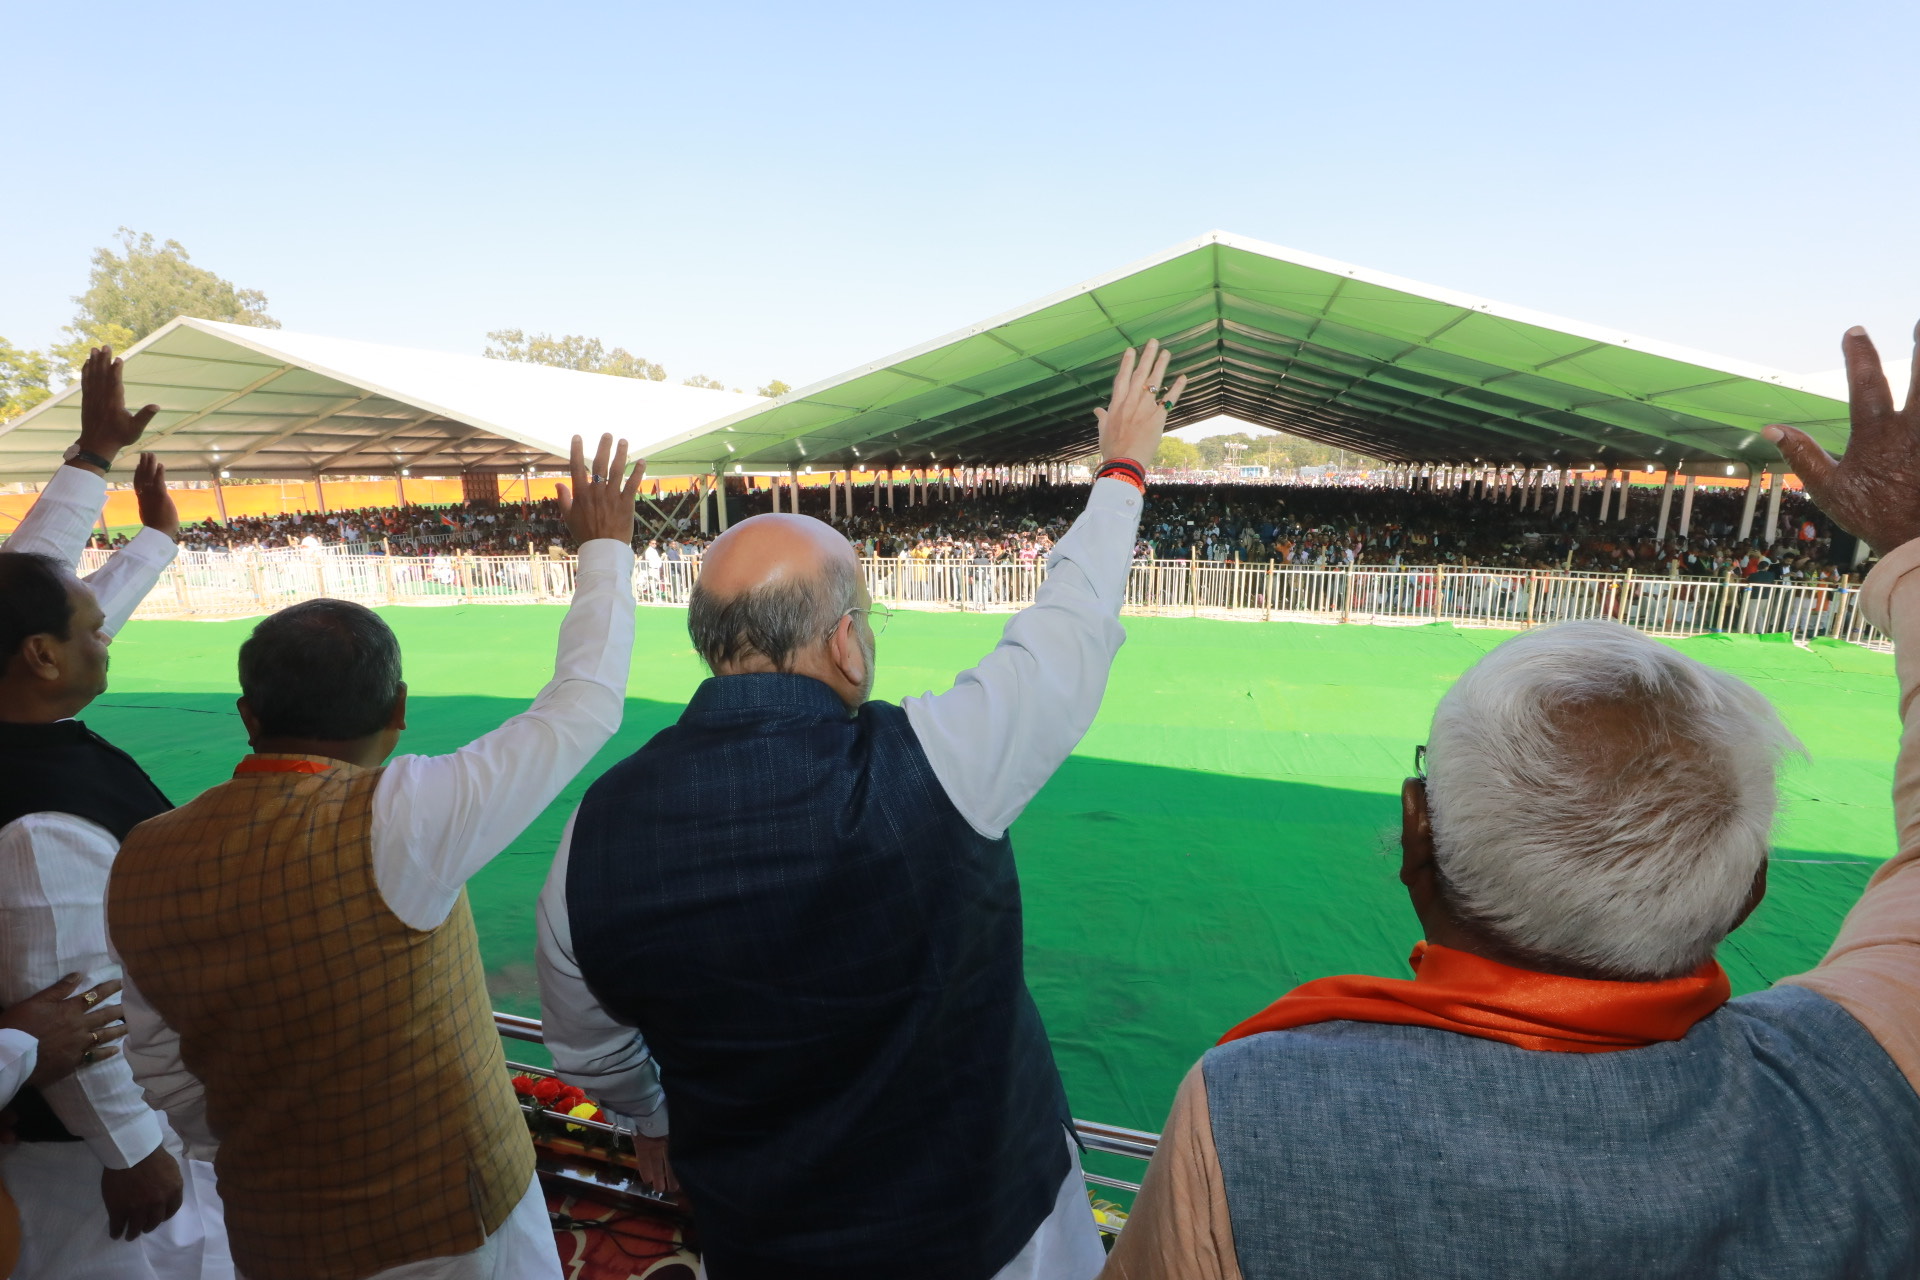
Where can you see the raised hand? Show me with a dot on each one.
(156, 503)
(72, 1030)
(1134, 420)
(105, 425)
(1873, 491)
(598, 505)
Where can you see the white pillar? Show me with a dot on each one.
(700, 490)
(1686, 507)
(1746, 509)
(1666, 505)
(1775, 483)
(720, 500)
(773, 492)
(833, 495)
(889, 488)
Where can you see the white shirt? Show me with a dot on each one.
(992, 740)
(437, 820)
(54, 866)
(19, 1053)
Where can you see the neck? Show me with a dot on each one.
(364, 752)
(31, 706)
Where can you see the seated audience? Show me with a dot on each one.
(303, 984)
(797, 911)
(1564, 1087)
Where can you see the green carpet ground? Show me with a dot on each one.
(1225, 831)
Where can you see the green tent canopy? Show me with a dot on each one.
(1389, 367)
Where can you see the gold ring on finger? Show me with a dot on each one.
(91, 997)
(95, 1039)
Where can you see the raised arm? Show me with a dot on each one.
(997, 736)
(1873, 969)
(439, 819)
(63, 516)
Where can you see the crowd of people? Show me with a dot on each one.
(1323, 526)
(780, 945)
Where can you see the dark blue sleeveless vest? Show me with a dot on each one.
(825, 959)
(1776, 1140)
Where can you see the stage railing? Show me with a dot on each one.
(1109, 1139)
(220, 584)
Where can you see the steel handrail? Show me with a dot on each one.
(1111, 1139)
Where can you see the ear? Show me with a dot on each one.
(398, 720)
(40, 657)
(844, 651)
(250, 720)
(1416, 835)
(1754, 895)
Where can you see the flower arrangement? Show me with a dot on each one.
(550, 1094)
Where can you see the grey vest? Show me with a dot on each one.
(1777, 1139)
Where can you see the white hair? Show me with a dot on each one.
(1601, 800)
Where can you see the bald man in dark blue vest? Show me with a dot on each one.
(795, 914)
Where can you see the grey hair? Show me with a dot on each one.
(1601, 801)
(775, 620)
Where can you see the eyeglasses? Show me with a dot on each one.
(1420, 763)
(878, 616)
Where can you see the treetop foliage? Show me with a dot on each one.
(774, 390)
(574, 351)
(129, 295)
(23, 380)
(702, 380)
(140, 289)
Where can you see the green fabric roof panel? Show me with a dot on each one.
(1394, 368)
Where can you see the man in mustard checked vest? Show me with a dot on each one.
(303, 985)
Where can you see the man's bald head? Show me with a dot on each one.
(771, 588)
(772, 549)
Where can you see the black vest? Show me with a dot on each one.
(826, 961)
(68, 768)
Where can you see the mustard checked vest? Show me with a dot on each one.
(353, 1074)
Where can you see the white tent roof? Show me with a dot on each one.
(272, 404)
(1284, 339)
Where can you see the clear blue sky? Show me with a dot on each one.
(753, 191)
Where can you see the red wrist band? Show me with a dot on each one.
(1124, 469)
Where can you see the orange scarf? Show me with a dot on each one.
(279, 764)
(1474, 996)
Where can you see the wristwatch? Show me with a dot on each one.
(75, 453)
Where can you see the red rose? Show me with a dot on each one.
(547, 1091)
(599, 1116)
(523, 1085)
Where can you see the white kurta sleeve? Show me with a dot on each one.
(53, 921)
(59, 525)
(592, 1050)
(62, 517)
(152, 1051)
(997, 736)
(438, 819)
(19, 1054)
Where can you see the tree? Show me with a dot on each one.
(132, 293)
(574, 351)
(1176, 454)
(774, 390)
(702, 380)
(23, 380)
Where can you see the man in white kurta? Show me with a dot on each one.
(53, 878)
